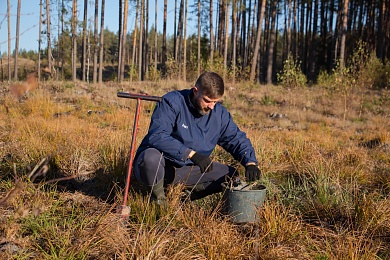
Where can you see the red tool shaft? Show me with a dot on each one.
(139, 97)
(132, 149)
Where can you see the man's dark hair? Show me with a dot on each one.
(211, 84)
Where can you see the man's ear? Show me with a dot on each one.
(195, 90)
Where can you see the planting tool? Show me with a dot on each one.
(124, 210)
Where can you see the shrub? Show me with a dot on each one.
(291, 75)
(369, 71)
(373, 75)
(133, 73)
(325, 80)
(154, 73)
(172, 68)
(217, 65)
(363, 71)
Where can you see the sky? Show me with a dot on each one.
(29, 21)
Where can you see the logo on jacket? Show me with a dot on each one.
(184, 126)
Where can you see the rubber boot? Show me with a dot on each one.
(189, 191)
(158, 194)
(196, 188)
(200, 190)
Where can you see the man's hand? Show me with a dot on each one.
(204, 162)
(252, 173)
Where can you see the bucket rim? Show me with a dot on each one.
(259, 187)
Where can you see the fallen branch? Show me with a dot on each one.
(60, 179)
(36, 168)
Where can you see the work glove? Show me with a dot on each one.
(252, 173)
(204, 162)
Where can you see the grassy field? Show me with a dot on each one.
(324, 155)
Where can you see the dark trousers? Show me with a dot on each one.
(150, 167)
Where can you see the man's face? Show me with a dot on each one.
(202, 103)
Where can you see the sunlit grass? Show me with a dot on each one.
(327, 178)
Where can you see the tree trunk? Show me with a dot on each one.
(101, 46)
(62, 40)
(313, 45)
(248, 35)
(74, 41)
(84, 54)
(379, 46)
(271, 43)
(9, 39)
(211, 35)
(155, 34)
(331, 39)
(294, 34)
(386, 28)
(58, 57)
(264, 44)
(370, 26)
(39, 40)
(276, 43)
(243, 35)
(134, 41)
(302, 35)
(288, 47)
(141, 31)
(145, 46)
(337, 32)
(226, 43)
(185, 43)
(174, 32)
(48, 23)
(323, 33)
(124, 36)
(179, 34)
(95, 42)
(307, 37)
(164, 39)
(352, 14)
(234, 45)
(120, 32)
(17, 42)
(360, 26)
(257, 44)
(221, 26)
(199, 36)
(238, 29)
(344, 34)
(180, 37)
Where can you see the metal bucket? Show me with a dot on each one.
(242, 205)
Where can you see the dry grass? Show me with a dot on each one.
(327, 177)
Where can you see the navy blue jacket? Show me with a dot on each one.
(176, 128)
